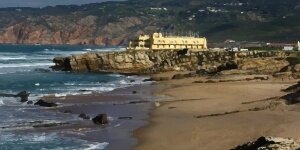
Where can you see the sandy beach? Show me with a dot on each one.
(218, 116)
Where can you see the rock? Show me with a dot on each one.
(134, 92)
(270, 143)
(296, 68)
(84, 116)
(263, 65)
(293, 88)
(45, 104)
(30, 102)
(148, 80)
(132, 81)
(292, 98)
(24, 96)
(138, 102)
(101, 119)
(149, 62)
(125, 118)
(261, 78)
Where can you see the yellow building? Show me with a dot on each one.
(159, 42)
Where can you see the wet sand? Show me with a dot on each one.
(218, 116)
(132, 103)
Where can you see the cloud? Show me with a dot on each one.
(43, 3)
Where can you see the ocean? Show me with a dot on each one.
(26, 68)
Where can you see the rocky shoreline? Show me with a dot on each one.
(276, 63)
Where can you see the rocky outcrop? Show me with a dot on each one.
(101, 119)
(147, 62)
(263, 65)
(22, 95)
(271, 143)
(45, 104)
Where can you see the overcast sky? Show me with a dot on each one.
(43, 3)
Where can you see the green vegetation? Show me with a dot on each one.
(242, 20)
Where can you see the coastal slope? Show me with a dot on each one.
(115, 23)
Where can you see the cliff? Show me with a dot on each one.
(149, 62)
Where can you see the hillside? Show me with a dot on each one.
(113, 23)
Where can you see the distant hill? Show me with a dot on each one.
(113, 23)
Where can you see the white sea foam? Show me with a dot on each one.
(1, 102)
(25, 65)
(117, 125)
(116, 75)
(97, 146)
(12, 58)
(59, 52)
(39, 138)
(61, 95)
(105, 49)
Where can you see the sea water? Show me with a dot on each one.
(26, 68)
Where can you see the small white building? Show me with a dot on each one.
(288, 48)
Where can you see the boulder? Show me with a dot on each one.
(24, 96)
(148, 80)
(84, 116)
(293, 88)
(30, 102)
(45, 104)
(101, 119)
(125, 118)
(270, 143)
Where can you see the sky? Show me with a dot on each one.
(43, 3)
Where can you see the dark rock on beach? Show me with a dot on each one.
(148, 80)
(101, 119)
(45, 104)
(293, 88)
(84, 116)
(125, 118)
(24, 96)
(270, 143)
(30, 102)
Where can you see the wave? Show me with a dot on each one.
(25, 65)
(97, 146)
(1, 103)
(13, 58)
(104, 49)
(61, 52)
